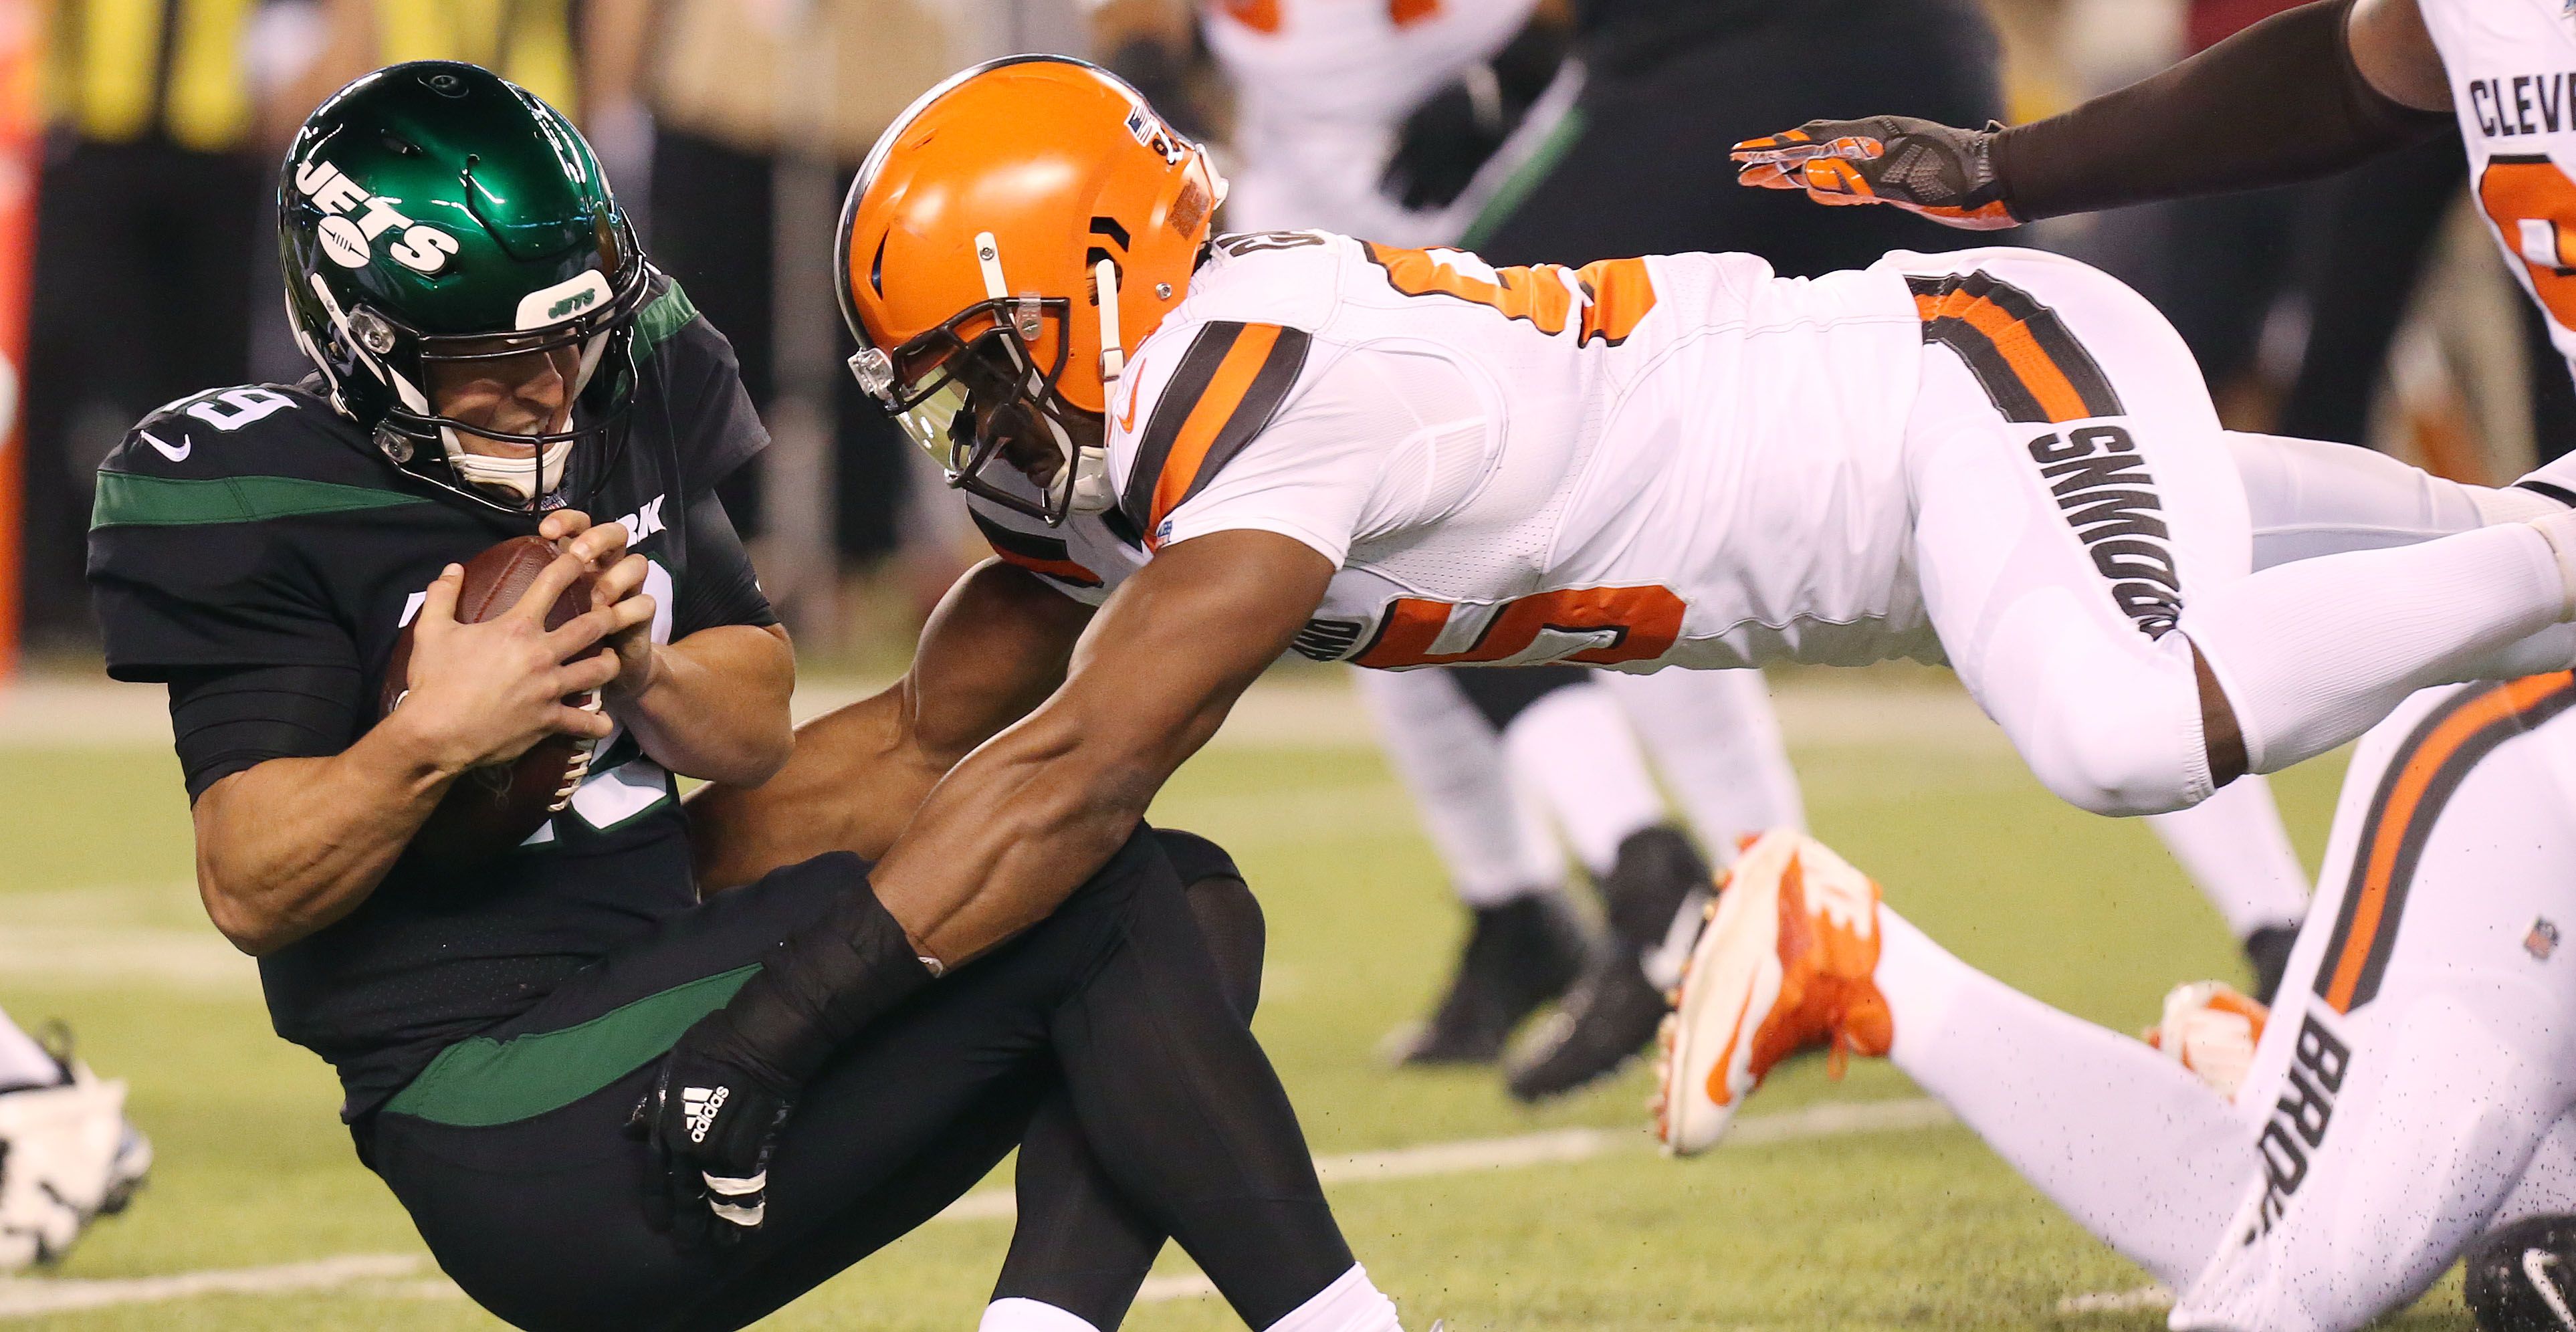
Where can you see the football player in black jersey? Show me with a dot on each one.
(521, 1040)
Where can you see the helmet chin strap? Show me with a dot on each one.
(1090, 466)
(513, 476)
(1083, 482)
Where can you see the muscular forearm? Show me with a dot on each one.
(2280, 102)
(1008, 834)
(716, 705)
(855, 778)
(288, 846)
(992, 651)
(1012, 831)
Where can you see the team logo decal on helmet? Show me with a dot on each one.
(995, 274)
(437, 223)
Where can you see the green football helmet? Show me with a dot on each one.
(432, 216)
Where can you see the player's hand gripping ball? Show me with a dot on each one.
(1945, 174)
(493, 808)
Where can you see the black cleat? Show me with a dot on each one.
(1608, 1019)
(1655, 895)
(2267, 951)
(1519, 955)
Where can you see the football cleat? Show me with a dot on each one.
(2522, 1277)
(2211, 1028)
(1785, 965)
(2267, 953)
(1655, 894)
(67, 1156)
(1519, 955)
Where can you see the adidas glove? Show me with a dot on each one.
(710, 1123)
(1945, 174)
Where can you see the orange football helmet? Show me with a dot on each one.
(1014, 232)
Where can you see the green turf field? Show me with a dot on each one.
(1912, 1227)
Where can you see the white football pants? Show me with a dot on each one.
(2082, 525)
(2412, 1088)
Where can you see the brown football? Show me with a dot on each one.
(492, 809)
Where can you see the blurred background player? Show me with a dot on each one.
(2318, 1164)
(1391, 119)
(1400, 121)
(1678, 75)
(150, 201)
(67, 1155)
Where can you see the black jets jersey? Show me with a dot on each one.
(257, 527)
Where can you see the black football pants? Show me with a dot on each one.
(1109, 1024)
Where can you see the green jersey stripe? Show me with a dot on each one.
(479, 1082)
(130, 499)
(661, 317)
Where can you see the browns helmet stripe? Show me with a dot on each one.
(1224, 391)
(1037, 554)
(2427, 768)
(2031, 367)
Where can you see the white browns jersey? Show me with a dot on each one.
(1677, 460)
(1321, 87)
(2512, 65)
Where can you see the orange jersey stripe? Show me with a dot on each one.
(1225, 393)
(2402, 803)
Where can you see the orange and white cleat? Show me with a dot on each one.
(1785, 965)
(2211, 1028)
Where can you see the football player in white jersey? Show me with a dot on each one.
(1511, 769)
(2413, 1088)
(1298, 441)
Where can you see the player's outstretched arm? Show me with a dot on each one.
(2301, 94)
(288, 846)
(1022, 821)
(995, 647)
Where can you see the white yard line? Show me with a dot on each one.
(2141, 1300)
(410, 1276)
(1291, 710)
(27, 1297)
(1558, 1146)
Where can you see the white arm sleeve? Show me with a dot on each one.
(1377, 441)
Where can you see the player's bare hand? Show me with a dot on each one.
(1925, 168)
(602, 548)
(486, 693)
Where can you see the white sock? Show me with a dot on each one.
(1350, 1304)
(1576, 749)
(2235, 850)
(2314, 653)
(1717, 743)
(1490, 838)
(2130, 1144)
(1018, 1315)
(24, 1063)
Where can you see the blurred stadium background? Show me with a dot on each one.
(138, 141)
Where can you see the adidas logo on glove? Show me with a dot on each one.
(700, 1105)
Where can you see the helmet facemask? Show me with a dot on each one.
(969, 389)
(534, 470)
